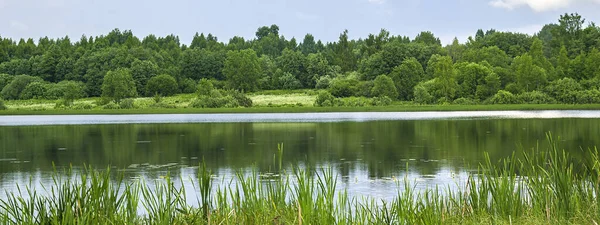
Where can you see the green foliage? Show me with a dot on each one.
(142, 71)
(5, 79)
(365, 88)
(118, 84)
(384, 87)
(242, 70)
(406, 76)
(2, 105)
(111, 105)
(289, 82)
(217, 99)
(343, 87)
(163, 85)
(13, 90)
(381, 101)
(187, 85)
(464, 101)
(441, 68)
(504, 97)
(422, 94)
(535, 97)
(323, 82)
(241, 99)
(324, 99)
(588, 97)
(33, 90)
(205, 87)
(564, 90)
(529, 76)
(127, 104)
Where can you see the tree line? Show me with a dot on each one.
(561, 63)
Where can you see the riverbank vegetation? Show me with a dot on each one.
(558, 65)
(541, 186)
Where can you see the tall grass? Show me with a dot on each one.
(537, 187)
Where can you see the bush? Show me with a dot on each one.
(162, 105)
(54, 91)
(535, 97)
(5, 79)
(422, 95)
(164, 85)
(2, 105)
(111, 105)
(13, 90)
(83, 106)
(503, 97)
(241, 98)
(324, 99)
(564, 90)
(323, 82)
(464, 101)
(588, 97)
(381, 101)
(127, 104)
(187, 86)
(343, 87)
(364, 88)
(289, 82)
(33, 90)
(384, 86)
(205, 87)
(354, 102)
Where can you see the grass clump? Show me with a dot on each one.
(541, 187)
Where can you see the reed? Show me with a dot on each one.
(534, 187)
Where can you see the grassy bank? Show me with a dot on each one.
(298, 101)
(542, 187)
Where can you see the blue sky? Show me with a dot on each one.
(325, 19)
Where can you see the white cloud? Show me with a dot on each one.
(376, 1)
(18, 25)
(537, 5)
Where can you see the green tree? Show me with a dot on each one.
(294, 62)
(562, 63)
(384, 86)
(343, 53)
(72, 90)
(308, 45)
(33, 90)
(141, 71)
(406, 76)
(163, 85)
(442, 69)
(592, 64)
(537, 55)
(529, 76)
(242, 69)
(118, 84)
(205, 87)
(13, 90)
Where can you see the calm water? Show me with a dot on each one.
(367, 150)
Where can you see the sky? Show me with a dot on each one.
(325, 19)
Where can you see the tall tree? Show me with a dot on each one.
(242, 70)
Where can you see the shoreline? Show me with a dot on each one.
(302, 109)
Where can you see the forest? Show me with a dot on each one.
(559, 64)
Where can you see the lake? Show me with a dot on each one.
(369, 151)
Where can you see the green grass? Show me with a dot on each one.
(538, 187)
(277, 101)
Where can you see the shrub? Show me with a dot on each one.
(588, 97)
(323, 82)
(162, 105)
(422, 95)
(364, 88)
(564, 90)
(83, 106)
(289, 82)
(240, 98)
(111, 105)
(205, 87)
(343, 87)
(503, 97)
(127, 104)
(324, 99)
(118, 85)
(535, 97)
(354, 102)
(464, 101)
(384, 86)
(164, 85)
(54, 91)
(2, 105)
(5, 79)
(33, 90)
(187, 85)
(381, 101)
(17, 85)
